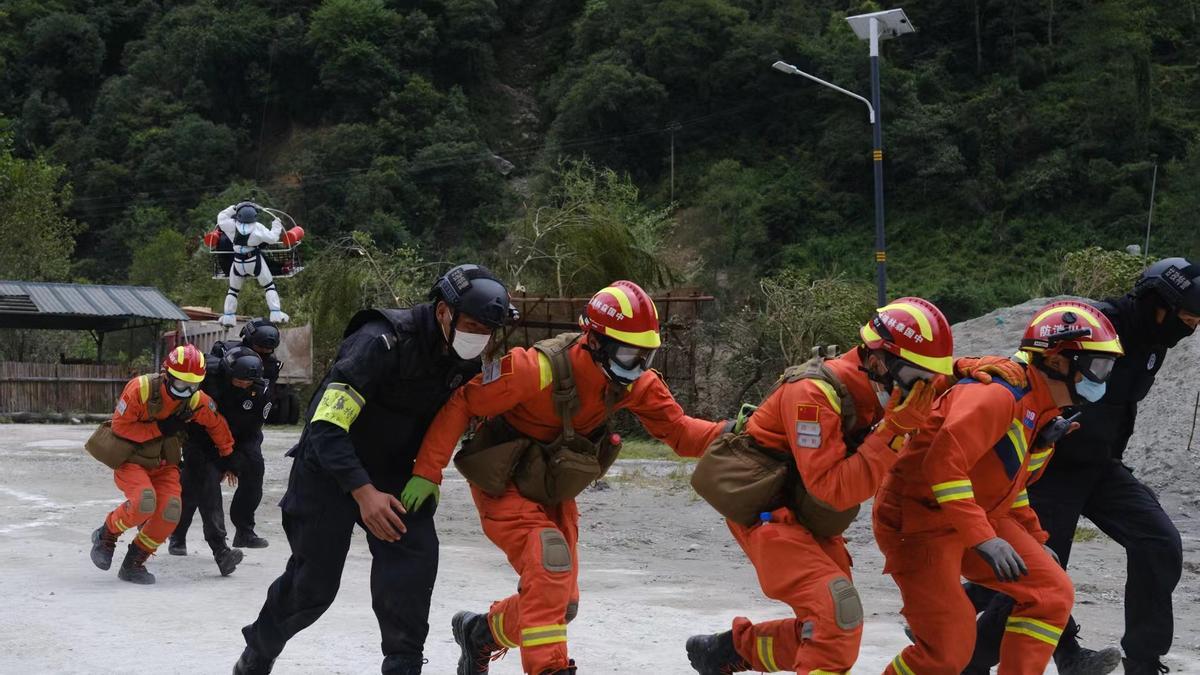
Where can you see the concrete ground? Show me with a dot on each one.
(657, 566)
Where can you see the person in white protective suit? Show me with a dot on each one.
(240, 224)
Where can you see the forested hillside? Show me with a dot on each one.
(449, 130)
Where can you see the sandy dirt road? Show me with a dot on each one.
(658, 566)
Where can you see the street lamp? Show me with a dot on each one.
(872, 27)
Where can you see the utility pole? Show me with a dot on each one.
(675, 126)
(1150, 218)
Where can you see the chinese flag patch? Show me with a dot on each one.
(807, 412)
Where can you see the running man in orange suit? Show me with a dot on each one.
(955, 503)
(152, 411)
(609, 364)
(842, 428)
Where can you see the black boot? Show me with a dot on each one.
(249, 663)
(176, 546)
(247, 539)
(395, 664)
(1151, 667)
(227, 560)
(474, 638)
(104, 544)
(569, 670)
(715, 654)
(133, 569)
(1087, 661)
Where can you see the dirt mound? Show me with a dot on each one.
(1158, 451)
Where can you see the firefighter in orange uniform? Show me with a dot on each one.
(955, 503)
(841, 423)
(532, 516)
(151, 413)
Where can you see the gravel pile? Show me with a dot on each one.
(1158, 451)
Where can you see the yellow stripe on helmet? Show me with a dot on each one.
(192, 378)
(1063, 309)
(622, 299)
(942, 365)
(915, 313)
(646, 339)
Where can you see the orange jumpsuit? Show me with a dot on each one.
(804, 418)
(532, 536)
(960, 482)
(152, 501)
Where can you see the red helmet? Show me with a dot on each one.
(625, 313)
(914, 330)
(185, 363)
(1069, 325)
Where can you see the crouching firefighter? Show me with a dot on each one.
(546, 439)
(241, 393)
(955, 504)
(354, 465)
(792, 482)
(142, 444)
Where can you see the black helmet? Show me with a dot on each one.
(476, 292)
(1176, 281)
(246, 213)
(260, 333)
(242, 363)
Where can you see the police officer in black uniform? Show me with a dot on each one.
(1086, 476)
(236, 384)
(394, 370)
(263, 337)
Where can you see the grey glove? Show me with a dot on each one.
(1002, 558)
(1052, 553)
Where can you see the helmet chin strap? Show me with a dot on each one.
(887, 381)
(1067, 379)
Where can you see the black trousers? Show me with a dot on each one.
(200, 480)
(319, 520)
(250, 468)
(1128, 512)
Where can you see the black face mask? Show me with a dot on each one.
(1172, 330)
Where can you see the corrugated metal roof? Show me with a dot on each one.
(141, 302)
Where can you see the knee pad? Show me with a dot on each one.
(173, 510)
(572, 611)
(847, 607)
(148, 502)
(556, 555)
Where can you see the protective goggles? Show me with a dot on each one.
(1095, 367)
(630, 357)
(183, 389)
(907, 375)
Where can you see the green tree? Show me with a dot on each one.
(33, 212)
(160, 262)
(586, 230)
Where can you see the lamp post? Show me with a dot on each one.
(873, 28)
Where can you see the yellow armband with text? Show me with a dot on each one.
(339, 405)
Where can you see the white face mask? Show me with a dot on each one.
(470, 345)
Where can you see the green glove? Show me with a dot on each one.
(416, 491)
(739, 424)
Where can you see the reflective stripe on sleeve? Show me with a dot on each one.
(953, 490)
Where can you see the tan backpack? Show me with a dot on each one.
(113, 451)
(742, 479)
(547, 473)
